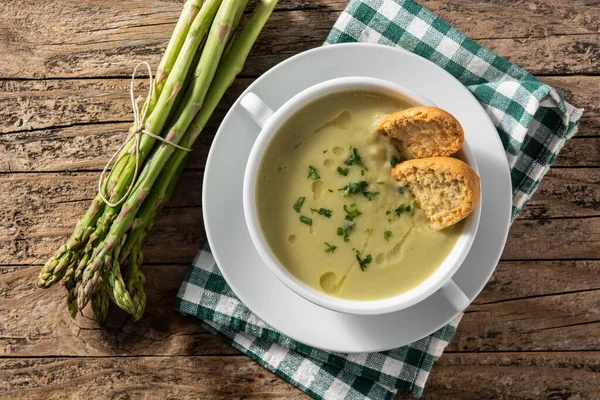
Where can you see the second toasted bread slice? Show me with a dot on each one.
(445, 188)
(424, 131)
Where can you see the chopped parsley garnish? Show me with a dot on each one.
(388, 212)
(407, 209)
(381, 182)
(306, 220)
(351, 214)
(362, 172)
(343, 171)
(401, 208)
(370, 195)
(401, 189)
(394, 161)
(313, 173)
(298, 203)
(330, 248)
(387, 235)
(355, 159)
(330, 191)
(368, 230)
(325, 151)
(344, 231)
(363, 262)
(354, 188)
(323, 211)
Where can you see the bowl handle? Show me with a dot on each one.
(256, 108)
(457, 298)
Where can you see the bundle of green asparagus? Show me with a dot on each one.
(101, 260)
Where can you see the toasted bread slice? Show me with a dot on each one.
(445, 188)
(424, 131)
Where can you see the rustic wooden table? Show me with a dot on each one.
(64, 71)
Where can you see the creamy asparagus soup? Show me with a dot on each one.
(331, 211)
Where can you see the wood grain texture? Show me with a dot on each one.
(464, 376)
(108, 39)
(35, 323)
(89, 147)
(34, 206)
(142, 377)
(41, 104)
(527, 306)
(64, 107)
(515, 376)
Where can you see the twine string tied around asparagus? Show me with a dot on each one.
(139, 119)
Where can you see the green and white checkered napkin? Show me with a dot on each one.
(533, 121)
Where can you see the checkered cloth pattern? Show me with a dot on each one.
(533, 122)
(532, 118)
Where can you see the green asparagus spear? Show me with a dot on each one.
(211, 54)
(130, 255)
(72, 287)
(117, 290)
(135, 279)
(160, 172)
(190, 10)
(229, 67)
(231, 64)
(55, 267)
(161, 110)
(100, 303)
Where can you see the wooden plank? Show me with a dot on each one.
(552, 375)
(148, 377)
(33, 207)
(558, 239)
(33, 222)
(589, 125)
(89, 147)
(550, 55)
(580, 151)
(524, 280)
(43, 104)
(36, 322)
(108, 39)
(459, 376)
(526, 306)
(533, 306)
(507, 18)
(566, 193)
(82, 147)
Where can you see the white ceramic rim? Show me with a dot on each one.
(432, 284)
(272, 301)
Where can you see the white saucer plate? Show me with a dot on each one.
(250, 278)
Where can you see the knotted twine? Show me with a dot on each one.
(139, 120)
